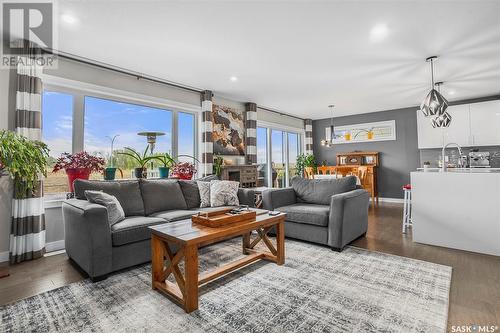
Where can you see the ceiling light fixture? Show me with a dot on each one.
(330, 131)
(68, 18)
(444, 119)
(233, 78)
(434, 103)
(379, 32)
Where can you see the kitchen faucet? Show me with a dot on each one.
(443, 164)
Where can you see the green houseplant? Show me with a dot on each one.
(167, 162)
(218, 162)
(24, 160)
(304, 161)
(141, 159)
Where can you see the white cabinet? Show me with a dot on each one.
(485, 123)
(459, 129)
(428, 136)
(476, 124)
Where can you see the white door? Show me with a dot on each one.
(459, 129)
(428, 136)
(485, 123)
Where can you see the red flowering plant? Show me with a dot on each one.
(81, 160)
(183, 170)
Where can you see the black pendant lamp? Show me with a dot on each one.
(328, 141)
(434, 103)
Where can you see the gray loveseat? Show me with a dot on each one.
(100, 248)
(329, 212)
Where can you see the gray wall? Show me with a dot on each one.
(397, 158)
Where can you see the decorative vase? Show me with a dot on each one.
(109, 173)
(163, 171)
(140, 173)
(76, 173)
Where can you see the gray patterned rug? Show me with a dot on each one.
(317, 290)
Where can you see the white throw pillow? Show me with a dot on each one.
(224, 193)
(115, 210)
(204, 189)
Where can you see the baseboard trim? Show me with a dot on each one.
(4, 256)
(54, 246)
(396, 200)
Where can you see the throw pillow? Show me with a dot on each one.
(204, 188)
(224, 193)
(115, 210)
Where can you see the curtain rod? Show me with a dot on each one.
(142, 76)
(278, 112)
(139, 76)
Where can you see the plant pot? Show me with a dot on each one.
(140, 173)
(163, 171)
(109, 173)
(184, 176)
(76, 173)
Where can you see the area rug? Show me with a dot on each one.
(317, 290)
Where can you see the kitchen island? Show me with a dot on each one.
(457, 209)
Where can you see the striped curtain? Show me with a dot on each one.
(27, 233)
(251, 132)
(309, 136)
(207, 145)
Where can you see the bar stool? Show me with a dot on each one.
(407, 221)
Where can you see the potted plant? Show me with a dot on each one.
(304, 161)
(24, 160)
(78, 166)
(183, 170)
(167, 162)
(142, 160)
(110, 170)
(218, 162)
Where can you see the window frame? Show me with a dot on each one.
(285, 129)
(79, 90)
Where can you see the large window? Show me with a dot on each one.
(57, 133)
(76, 120)
(105, 118)
(281, 147)
(186, 137)
(262, 156)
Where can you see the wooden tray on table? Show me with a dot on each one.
(222, 217)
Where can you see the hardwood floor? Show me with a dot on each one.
(475, 285)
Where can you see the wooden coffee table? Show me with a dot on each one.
(188, 237)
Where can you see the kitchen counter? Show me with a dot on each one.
(458, 209)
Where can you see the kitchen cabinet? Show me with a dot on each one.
(472, 125)
(428, 136)
(459, 129)
(485, 123)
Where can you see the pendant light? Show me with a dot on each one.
(434, 103)
(443, 120)
(328, 141)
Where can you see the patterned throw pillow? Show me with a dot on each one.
(224, 193)
(204, 188)
(115, 210)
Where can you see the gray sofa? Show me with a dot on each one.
(329, 212)
(99, 248)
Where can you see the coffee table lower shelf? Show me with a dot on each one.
(185, 291)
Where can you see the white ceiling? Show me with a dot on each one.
(297, 56)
